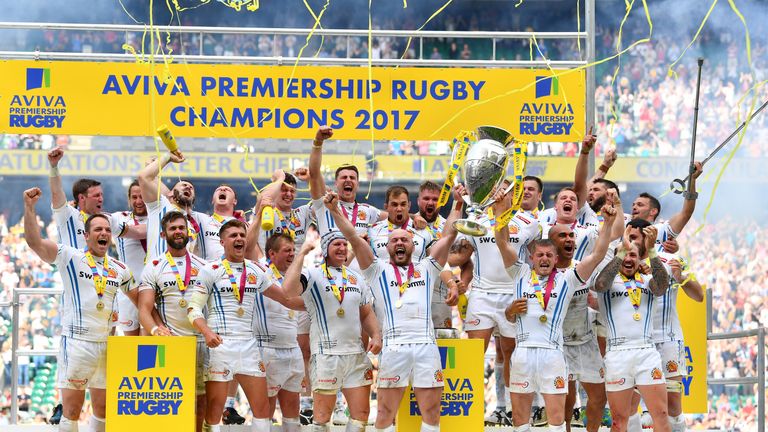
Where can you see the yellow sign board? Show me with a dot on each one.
(463, 405)
(229, 101)
(150, 383)
(693, 320)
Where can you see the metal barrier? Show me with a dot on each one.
(759, 379)
(15, 352)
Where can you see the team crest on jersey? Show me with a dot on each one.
(353, 279)
(671, 366)
(438, 376)
(368, 375)
(513, 229)
(115, 318)
(251, 278)
(361, 214)
(416, 274)
(559, 383)
(656, 374)
(112, 273)
(295, 221)
(194, 271)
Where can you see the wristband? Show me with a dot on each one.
(585, 153)
(652, 254)
(164, 159)
(317, 144)
(54, 172)
(153, 331)
(604, 168)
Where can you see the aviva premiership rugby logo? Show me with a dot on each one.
(150, 356)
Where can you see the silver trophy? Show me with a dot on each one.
(483, 170)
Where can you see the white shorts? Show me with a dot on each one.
(81, 364)
(415, 364)
(303, 320)
(203, 360)
(585, 364)
(442, 315)
(285, 370)
(539, 370)
(625, 369)
(600, 329)
(128, 314)
(330, 372)
(235, 357)
(673, 358)
(485, 310)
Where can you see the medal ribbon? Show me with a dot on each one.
(432, 227)
(391, 227)
(346, 215)
(457, 160)
(600, 218)
(195, 230)
(99, 280)
(239, 291)
(289, 227)
(633, 289)
(403, 285)
(543, 298)
(337, 292)
(84, 216)
(277, 274)
(182, 284)
(218, 218)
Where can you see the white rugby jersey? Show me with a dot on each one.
(533, 331)
(411, 323)
(80, 317)
(210, 244)
(160, 277)
(361, 215)
(664, 233)
(156, 245)
(223, 306)
(624, 332)
(276, 326)
(489, 273)
(332, 331)
(70, 223)
(296, 221)
(378, 237)
(586, 238)
(436, 227)
(130, 251)
(666, 323)
(577, 324)
(589, 217)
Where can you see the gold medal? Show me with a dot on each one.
(543, 319)
(636, 316)
(340, 313)
(240, 312)
(183, 303)
(399, 303)
(100, 305)
(291, 314)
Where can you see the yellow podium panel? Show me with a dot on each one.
(150, 383)
(462, 405)
(693, 320)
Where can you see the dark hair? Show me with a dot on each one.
(170, 217)
(429, 185)
(232, 223)
(536, 179)
(542, 243)
(567, 188)
(290, 179)
(653, 201)
(638, 223)
(347, 167)
(224, 184)
(92, 217)
(395, 191)
(276, 240)
(81, 187)
(609, 185)
(130, 186)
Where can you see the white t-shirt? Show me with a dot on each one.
(378, 236)
(411, 323)
(130, 251)
(361, 215)
(532, 330)
(160, 277)
(71, 225)
(332, 332)
(624, 332)
(277, 326)
(296, 221)
(156, 245)
(80, 317)
(223, 306)
(489, 273)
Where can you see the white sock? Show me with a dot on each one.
(355, 426)
(98, 424)
(559, 428)
(677, 424)
(67, 425)
(210, 428)
(230, 402)
(261, 425)
(320, 427)
(291, 425)
(390, 428)
(498, 372)
(522, 428)
(429, 428)
(633, 424)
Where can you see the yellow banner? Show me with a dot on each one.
(227, 101)
(150, 383)
(463, 405)
(693, 319)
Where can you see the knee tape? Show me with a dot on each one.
(320, 427)
(355, 426)
(674, 386)
(98, 424)
(67, 425)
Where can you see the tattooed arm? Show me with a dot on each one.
(608, 274)
(660, 282)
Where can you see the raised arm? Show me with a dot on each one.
(608, 160)
(660, 282)
(678, 221)
(292, 280)
(585, 268)
(688, 282)
(439, 251)
(508, 253)
(58, 196)
(362, 249)
(253, 250)
(617, 230)
(147, 177)
(44, 248)
(316, 182)
(606, 276)
(582, 168)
